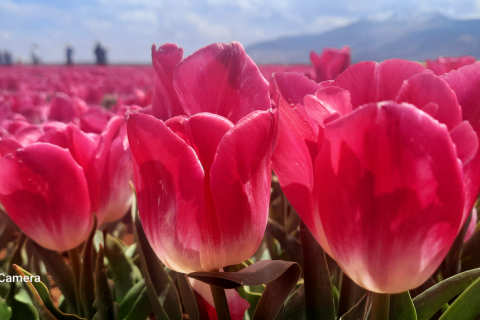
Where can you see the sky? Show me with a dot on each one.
(128, 28)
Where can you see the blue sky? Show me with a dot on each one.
(128, 28)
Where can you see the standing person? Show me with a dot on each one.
(100, 54)
(7, 58)
(70, 52)
(35, 54)
(1, 58)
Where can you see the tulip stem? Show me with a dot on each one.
(319, 303)
(75, 260)
(221, 304)
(380, 306)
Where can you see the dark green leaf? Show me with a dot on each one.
(160, 287)
(87, 280)
(451, 263)
(188, 297)
(319, 299)
(280, 276)
(42, 300)
(294, 307)
(350, 294)
(141, 309)
(435, 297)
(5, 310)
(21, 304)
(130, 298)
(289, 243)
(401, 307)
(251, 297)
(103, 295)
(124, 271)
(471, 248)
(59, 270)
(466, 306)
(358, 311)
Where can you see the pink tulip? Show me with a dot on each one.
(379, 183)
(330, 63)
(203, 294)
(45, 193)
(203, 186)
(219, 78)
(471, 226)
(442, 65)
(107, 163)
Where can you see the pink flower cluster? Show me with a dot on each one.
(380, 160)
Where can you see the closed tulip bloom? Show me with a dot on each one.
(373, 163)
(219, 78)
(107, 163)
(330, 63)
(443, 65)
(203, 186)
(44, 191)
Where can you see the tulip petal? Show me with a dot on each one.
(45, 193)
(169, 180)
(370, 81)
(391, 194)
(330, 63)
(240, 183)
(166, 104)
(466, 140)
(465, 83)
(294, 86)
(425, 88)
(221, 79)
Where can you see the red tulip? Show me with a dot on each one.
(330, 63)
(219, 78)
(203, 186)
(45, 193)
(379, 184)
(442, 65)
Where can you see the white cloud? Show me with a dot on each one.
(218, 32)
(139, 16)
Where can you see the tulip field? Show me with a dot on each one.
(209, 187)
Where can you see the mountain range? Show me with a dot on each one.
(406, 36)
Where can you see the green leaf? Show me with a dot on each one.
(188, 297)
(294, 307)
(21, 305)
(87, 280)
(435, 297)
(401, 307)
(42, 300)
(5, 310)
(359, 310)
(141, 309)
(103, 295)
(466, 306)
(124, 271)
(160, 287)
(319, 298)
(130, 299)
(471, 248)
(350, 294)
(251, 297)
(61, 273)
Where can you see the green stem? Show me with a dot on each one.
(221, 304)
(380, 306)
(75, 260)
(319, 301)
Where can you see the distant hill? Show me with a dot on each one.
(413, 37)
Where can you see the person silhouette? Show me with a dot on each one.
(70, 52)
(7, 58)
(35, 54)
(1, 58)
(100, 54)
